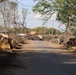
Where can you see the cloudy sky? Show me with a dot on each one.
(34, 19)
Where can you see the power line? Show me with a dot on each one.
(23, 4)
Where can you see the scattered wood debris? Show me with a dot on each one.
(11, 41)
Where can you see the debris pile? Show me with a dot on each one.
(35, 37)
(9, 42)
(71, 42)
(20, 39)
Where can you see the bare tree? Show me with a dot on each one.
(8, 12)
(9, 16)
(4, 10)
(14, 6)
(24, 15)
(2, 0)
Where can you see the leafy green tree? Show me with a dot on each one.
(44, 30)
(46, 8)
(66, 11)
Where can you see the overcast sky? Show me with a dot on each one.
(34, 19)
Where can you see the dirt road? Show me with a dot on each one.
(38, 58)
